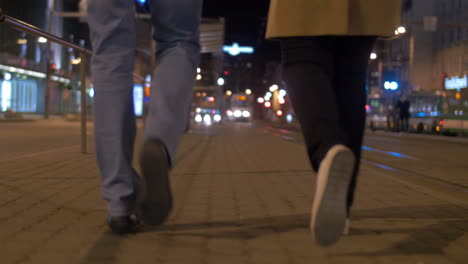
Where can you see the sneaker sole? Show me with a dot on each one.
(157, 202)
(329, 208)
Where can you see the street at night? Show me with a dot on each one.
(242, 195)
(233, 132)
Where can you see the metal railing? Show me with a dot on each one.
(84, 55)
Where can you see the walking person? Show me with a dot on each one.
(113, 35)
(403, 106)
(326, 46)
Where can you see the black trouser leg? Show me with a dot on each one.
(325, 78)
(405, 123)
(351, 61)
(308, 71)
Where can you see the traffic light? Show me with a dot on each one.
(390, 81)
(391, 85)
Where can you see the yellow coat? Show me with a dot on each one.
(289, 18)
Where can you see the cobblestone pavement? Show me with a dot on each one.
(242, 195)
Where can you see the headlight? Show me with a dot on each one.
(229, 112)
(246, 114)
(217, 118)
(198, 118)
(238, 113)
(207, 119)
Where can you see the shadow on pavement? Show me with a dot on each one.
(446, 224)
(451, 223)
(105, 249)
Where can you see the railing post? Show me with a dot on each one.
(48, 84)
(83, 73)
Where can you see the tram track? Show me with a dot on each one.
(296, 137)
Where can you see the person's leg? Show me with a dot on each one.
(351, 63)
(112, 29)
(308, 72)
(309, 75)
(176, 25)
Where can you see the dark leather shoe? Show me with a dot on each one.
(122, 225)
(157, 198)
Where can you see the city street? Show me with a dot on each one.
(242, 195)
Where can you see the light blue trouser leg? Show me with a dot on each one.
(176, 25)
(112, 26)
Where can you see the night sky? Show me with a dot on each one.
(245, 20)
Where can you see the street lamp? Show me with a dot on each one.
(42, 40)
(373, 56)
(401, 30)
(22, 41)
(273, 88)
(220, 81)
(248, 91)
(228, 93)
(199, 77)
(76, 61)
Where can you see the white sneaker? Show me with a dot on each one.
(329, 212)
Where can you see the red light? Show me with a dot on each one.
(441, 122)
(53, 66)
(367, 107)
(226, 73)
(267, 104)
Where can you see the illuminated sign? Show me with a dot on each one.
(33, 73)
(138, 95)
(456, 83)
(235, 49)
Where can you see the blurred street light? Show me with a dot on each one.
(22, 41)
(228, 93)
(199, 77)
(42, 40)
(248, 91)
(198, 70)
(273, 88)
(260, 100)
(76, 61)
(220, 81)
(401, 30)
(373, 56)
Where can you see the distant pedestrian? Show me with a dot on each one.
(326, 47)
(403, 106)
(113, 35)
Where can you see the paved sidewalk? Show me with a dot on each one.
(242, 195)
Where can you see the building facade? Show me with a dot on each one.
(436, 42)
